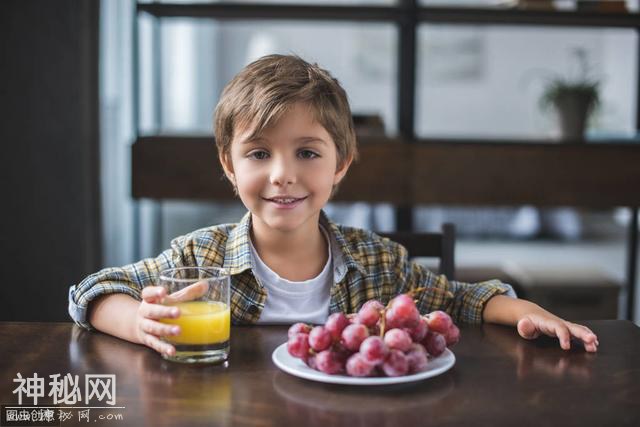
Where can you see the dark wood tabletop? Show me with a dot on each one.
(499, 379)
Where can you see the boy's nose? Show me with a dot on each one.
(282, 173)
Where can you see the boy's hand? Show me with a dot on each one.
(533, 321)
(531, 326)
(148, 329)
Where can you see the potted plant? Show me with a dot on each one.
(573, 99)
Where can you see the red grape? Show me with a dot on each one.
(392, 320)
(435, 343)
(402, 300)
(298, 345)
(439, 321)
(296, 328)
(417, 358)
(397, 339)
(353, 335)
(374, 350)
(405, 313)
(335, 325)
(310, 360)
(419, 331)
(368, 315)
(328, 362)
(357, 366)
(452, 336)
(319, 338)
(375, 304)
(395, 364)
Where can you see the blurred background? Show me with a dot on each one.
(84, 82)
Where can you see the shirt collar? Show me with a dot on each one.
(237, 256)
(343, 260)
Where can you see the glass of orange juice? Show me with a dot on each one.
(202, 295)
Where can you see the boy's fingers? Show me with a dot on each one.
(159, 329)
(153, 293)
(159, 345)
(189, 293)
(584, 334)
(564, 336)
(157, 311)
(532, 328)
(527, 329)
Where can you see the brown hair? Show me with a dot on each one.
(265, 89)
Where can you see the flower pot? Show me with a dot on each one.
(573, 111)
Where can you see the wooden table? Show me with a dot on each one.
(499, 379)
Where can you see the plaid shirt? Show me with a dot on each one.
(365, 266)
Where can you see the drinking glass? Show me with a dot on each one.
(202, 295)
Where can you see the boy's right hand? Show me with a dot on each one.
(147, 328)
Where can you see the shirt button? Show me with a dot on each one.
(253, 309)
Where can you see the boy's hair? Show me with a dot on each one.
(265, 89)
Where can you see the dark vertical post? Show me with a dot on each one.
(50, 172)
(638, 81)
(406, 92)
(447, 257)
(632, 254)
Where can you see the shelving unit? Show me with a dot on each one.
(398, 14)
(603, 174)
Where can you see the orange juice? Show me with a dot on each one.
(201, 323)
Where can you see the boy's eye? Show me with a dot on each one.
(307, 154)
(258, 155)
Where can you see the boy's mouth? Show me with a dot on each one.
(285, 200)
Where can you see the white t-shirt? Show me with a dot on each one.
(289, 302)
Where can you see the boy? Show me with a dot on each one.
(285, 139)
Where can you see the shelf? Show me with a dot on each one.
(543, 174)
(441, 15)
(495, 16)
(592, 142)
(267, 11)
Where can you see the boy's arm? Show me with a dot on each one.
(485, 301)
(508, 311)
(115, 314)
(129, 280)
(464, 302)
(533, 321)
(124, 317)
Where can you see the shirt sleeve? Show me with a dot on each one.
(129, 279)
(464, 302)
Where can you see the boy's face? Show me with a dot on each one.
(286, 174)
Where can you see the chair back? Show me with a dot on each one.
(433, 245)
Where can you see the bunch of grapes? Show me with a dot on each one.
(377, 341)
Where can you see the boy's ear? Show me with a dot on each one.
(342, 171)
(227, 166)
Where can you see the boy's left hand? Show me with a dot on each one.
(531, 326)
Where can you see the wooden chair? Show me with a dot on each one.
(433, 245)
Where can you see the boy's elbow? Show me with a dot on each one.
(77, 311)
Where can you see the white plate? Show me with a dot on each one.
(297, 367)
